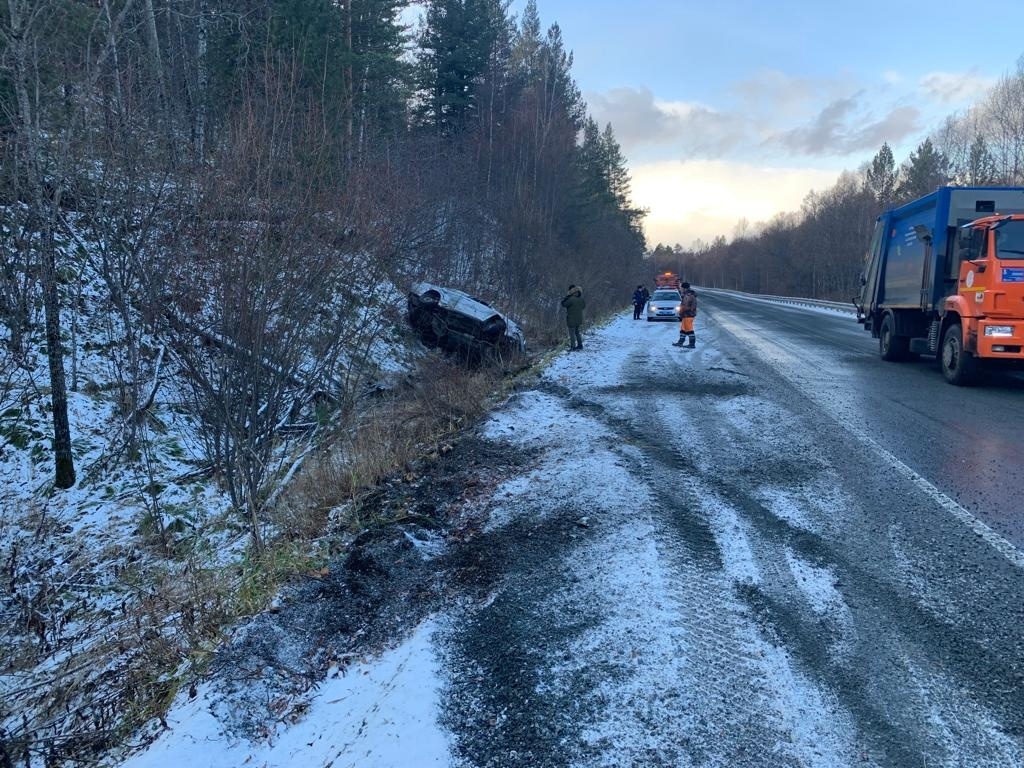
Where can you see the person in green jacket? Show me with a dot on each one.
(574, 304)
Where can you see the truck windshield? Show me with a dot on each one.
(1010, 240)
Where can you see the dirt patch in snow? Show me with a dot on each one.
(373, 591)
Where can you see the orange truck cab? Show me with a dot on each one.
(667, 280)
(945, 276)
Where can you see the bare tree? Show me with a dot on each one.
(24, 17)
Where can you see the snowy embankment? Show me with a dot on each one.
(97, 573)
(115, 585)
(373, 714)
(385, 712)
(671, 636)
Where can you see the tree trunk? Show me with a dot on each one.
(350, 85)
(202, 78)
(64, 464)
(112, 45)
(153, 40)
(43, 206)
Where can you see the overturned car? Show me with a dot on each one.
(462, 324)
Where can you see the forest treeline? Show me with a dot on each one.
(250, 172)
(818, 251)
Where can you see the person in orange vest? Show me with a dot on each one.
(687, 313)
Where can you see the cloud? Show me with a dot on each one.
(823, 133)
(900, 123)
(948, 88)
(758, 121)
(778, 96)
(690, 128)
(635, 115)
(694, 199)
(844, 128)
(781, 119)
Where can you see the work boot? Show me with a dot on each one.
(693, 341)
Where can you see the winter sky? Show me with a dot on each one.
(737, 108)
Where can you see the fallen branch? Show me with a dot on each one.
(289, 475)
(136, 417)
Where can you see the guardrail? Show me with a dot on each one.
(795, 301)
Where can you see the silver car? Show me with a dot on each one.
(459, 322)
(664, 304)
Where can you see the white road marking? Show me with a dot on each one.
(772, 353)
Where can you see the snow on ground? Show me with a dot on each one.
(733, 539)
(377, 713)
(145, 542)
(660, 552)
(817, 584)
(671, 636)
(83, 562)
(956, 717)
(607, 351)
(536, 420)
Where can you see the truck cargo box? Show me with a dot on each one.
(944, 276)
(916, 252)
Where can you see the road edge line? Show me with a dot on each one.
(980, 528)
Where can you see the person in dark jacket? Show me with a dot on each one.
(687, 313)
(639, 299)
(574, 304)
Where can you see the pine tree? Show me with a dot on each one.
(594, 190)
(981, 166)
(527, 45)
(923, 172)
(615, 168)
(881, 176)
(456, 46)
(379, 77)
(558, 80)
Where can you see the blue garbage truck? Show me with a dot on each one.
(944, 276)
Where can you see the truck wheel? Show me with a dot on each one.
(958, 365)
(890, 346)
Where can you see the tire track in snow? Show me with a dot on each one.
(890, 621)
(744, 700)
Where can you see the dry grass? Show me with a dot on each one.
(126, 658)
(387, 437)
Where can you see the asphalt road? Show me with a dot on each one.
(968, 442)
(773, 550)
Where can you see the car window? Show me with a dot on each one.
(665, 296)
